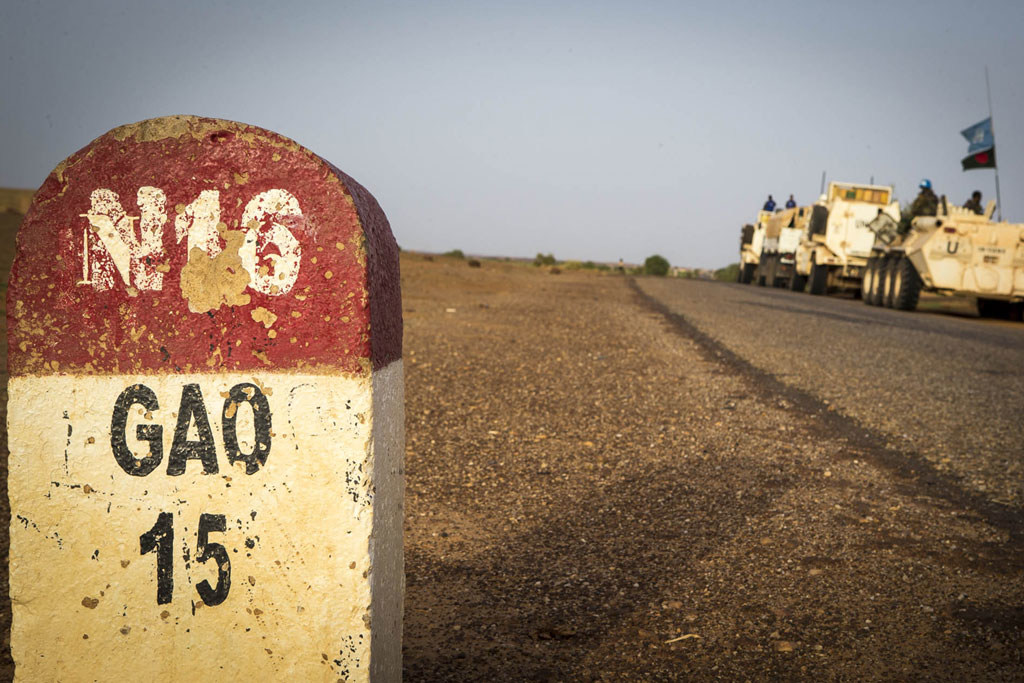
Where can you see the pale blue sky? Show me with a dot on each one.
(593, 130)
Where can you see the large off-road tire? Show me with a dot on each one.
(868, 281)
(1017, 312)
(993, 308)
(891, 273)
(819, 279)
(747, 273)
(797, 282)
(905, 286)
(880, 283)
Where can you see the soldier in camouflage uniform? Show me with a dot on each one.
(926, 203)
(974, 203)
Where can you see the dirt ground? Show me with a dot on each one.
(594, 493)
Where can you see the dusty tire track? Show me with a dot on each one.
(920, 474)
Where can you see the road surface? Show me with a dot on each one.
(940, 392)
(643, 480)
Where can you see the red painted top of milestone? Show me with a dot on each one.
(184, 244)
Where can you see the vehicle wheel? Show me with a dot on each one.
(797, 282)
(906, 285)
(819, 278)
(747, 274)
(993, 308)
(868, 281)
(892, 274)
(879, 282)
(1017, 312)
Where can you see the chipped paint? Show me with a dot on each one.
(115, 246)
(209, 282)
(298, 204)
(205, 384)
(277, 275)
(262, 315)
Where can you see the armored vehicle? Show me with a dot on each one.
(955, 252)
(783, 233)
(767, 248)
(837, 243)
(751, 242)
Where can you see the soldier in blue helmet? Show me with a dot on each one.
(926, 203)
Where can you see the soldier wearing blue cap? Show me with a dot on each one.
(926, 203)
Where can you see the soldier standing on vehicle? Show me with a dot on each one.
(769, 205)
(926, 203)
(974, 203)
(790, 203)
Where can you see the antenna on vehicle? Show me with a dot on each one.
(822, 190)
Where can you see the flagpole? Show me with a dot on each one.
(992, 127)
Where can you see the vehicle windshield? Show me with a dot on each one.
(860, 193)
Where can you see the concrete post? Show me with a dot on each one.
(205, 415)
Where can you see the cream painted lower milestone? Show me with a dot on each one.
(296, 545)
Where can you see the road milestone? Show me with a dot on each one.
(205, 415)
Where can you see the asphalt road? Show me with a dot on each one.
(611, 479)
(943, 393)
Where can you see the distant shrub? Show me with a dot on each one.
(572, 265)
(602, 266)
(473, 263)
(454, 253)
(731, 273)
(656, 265)
(544, 260)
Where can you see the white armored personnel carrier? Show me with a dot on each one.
(837, 244)
(955, 252)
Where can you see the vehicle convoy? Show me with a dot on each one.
(768, 247)
(837, 243)
(955, 252)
